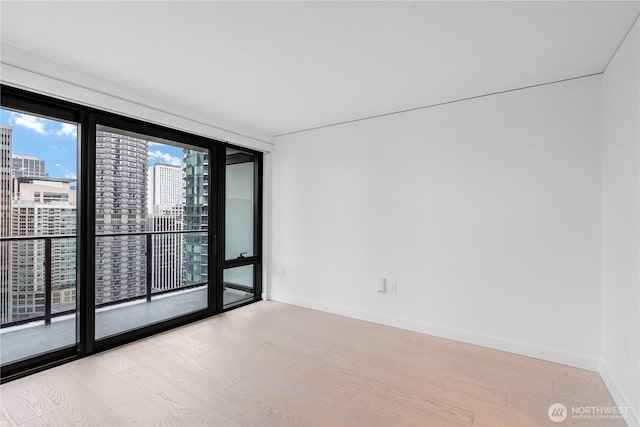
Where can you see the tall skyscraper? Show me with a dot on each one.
(165, 188)
(166, 252)
(42, 207)
(165, 205)
(121, 206)
(196, 211)
(27, 166)
(5, 222)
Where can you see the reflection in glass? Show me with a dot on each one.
(239, 204)
(238, 285)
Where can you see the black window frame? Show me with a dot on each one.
(256, 259)
(88, 118)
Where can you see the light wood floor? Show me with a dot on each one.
(272, 364)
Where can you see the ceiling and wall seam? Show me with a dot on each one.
(265, 70)
(407, 110)
(621, 42)
(134, 102)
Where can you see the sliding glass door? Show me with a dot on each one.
(151, 223)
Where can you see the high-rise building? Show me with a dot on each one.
(121, 207)
(165, 197)
(27, 166)
(5, 222)
(166, 252)
(165, 189)
(196, 213)
(42, 207)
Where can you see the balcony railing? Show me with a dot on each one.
(47, 276)
(47, 272)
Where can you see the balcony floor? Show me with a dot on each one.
(35, 338)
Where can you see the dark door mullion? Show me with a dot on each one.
(257, 224)
(87, 246)
(220, 173)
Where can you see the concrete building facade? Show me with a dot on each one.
(121, 207)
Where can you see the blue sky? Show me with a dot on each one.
(56, 143)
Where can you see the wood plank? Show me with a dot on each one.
(273, 364)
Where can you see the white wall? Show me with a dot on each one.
(621, 226)
(486, 213)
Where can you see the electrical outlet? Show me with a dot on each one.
(627, 348)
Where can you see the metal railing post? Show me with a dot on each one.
(47, 280)
(149, 265)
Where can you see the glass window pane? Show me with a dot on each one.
(37, 199)
(239, 204)
(151, 252)
(196, 215)
(238, 285)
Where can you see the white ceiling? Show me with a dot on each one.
(282, 67)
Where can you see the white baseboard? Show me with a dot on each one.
(576, 360)
(632, 419)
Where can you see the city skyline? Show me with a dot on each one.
(37, 202)
(55, 143)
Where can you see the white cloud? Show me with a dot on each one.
(30, 122)
(68, 129)
(58, 165)
(165, 158)
(153, 144)
(71, 176)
